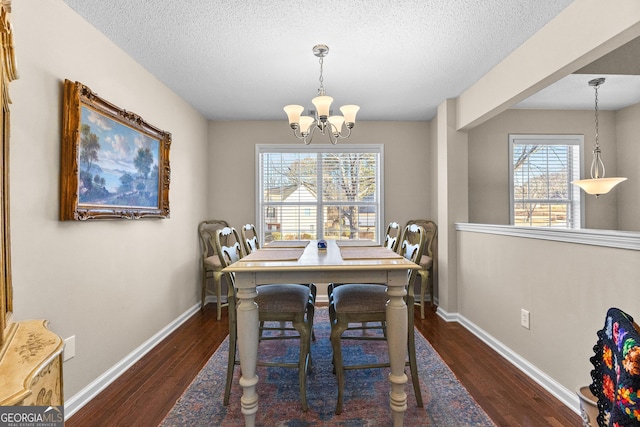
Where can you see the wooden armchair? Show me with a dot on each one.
(211, 267)
(427, 261)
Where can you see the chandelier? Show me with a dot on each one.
(598, 184)
(332, 126)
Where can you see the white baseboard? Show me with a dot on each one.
(78, 400)
(568, 397)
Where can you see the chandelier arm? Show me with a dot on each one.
(309, 136)
(306, 138)
(334, 135)
(322, 124)
(340, 135)
(296, 132)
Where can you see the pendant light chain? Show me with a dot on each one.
(597, 165)
(597, 145)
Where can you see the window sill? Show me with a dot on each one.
(609, 238)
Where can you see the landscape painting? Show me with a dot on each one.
(118, 165)
(114, 164)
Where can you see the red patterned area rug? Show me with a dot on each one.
(366, 403)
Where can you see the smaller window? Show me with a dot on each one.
(541, 170)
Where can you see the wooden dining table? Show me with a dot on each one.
(303, 262)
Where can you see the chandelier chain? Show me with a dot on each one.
(321, 90)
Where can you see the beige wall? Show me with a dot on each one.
(407, 173)
(566, 287)
(112, 284)
(489, 160)
(628, 155)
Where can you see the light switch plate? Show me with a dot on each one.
(69, 351)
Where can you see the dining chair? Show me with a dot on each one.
(427, 261)
(366, 303)
(211, 267)
(392, 235)
(251, 243)
(286, 303)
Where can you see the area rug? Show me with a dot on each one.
(366, 396)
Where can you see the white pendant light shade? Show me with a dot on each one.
(598, 186)
(305, 124)
(322, 104)
(349, 112)
(336, 122)
(293, 113)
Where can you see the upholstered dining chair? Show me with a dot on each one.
(211, 267)
(427, 261)
(392, 236)
(364, 303)
(287, 303)
(251, 243)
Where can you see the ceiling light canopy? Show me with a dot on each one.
(305, 126)
(598, 184)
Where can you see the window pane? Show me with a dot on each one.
(285, 175)
(349, 177)
(541, 172)
(542, 215)
(295, 204)
(350, 222)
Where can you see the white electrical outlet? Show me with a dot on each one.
(524, 318)
(69, 348)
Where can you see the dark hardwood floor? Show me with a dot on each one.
(144, 395)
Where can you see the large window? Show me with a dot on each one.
(319, 192)
(541, 170)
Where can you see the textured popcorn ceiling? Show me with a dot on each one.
(398, 60)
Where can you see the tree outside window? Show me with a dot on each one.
(542, 168)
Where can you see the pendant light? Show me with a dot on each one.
(598, 184)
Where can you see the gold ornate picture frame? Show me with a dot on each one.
(114, 165)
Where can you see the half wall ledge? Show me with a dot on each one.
(609, 238)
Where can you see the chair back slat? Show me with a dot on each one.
(250, 239)
(412, 244)
(392, 235)
(228, 247)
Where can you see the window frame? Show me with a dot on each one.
(378, 149)
(547, 139)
